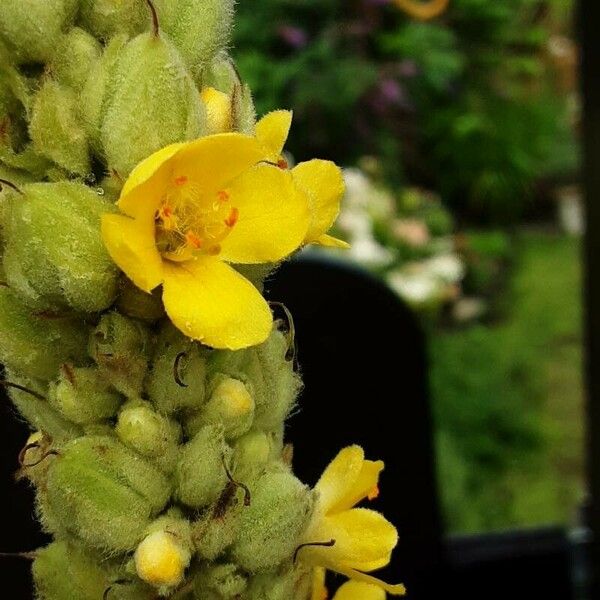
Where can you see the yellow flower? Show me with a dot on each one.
(160, 560)
(192, 208)
(349, 540)
(351, 590)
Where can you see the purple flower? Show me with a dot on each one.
(293, 36)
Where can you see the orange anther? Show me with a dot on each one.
(166, 212)
(233, 217)
(193, 240)
(282, 163)
(374, 493)
(181, 180)
(223, 196)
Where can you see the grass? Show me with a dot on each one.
(508, 398)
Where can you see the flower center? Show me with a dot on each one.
(191, 221)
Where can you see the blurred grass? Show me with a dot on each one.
(508, 398)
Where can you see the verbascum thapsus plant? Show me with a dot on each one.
(142, 205)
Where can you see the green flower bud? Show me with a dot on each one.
(271, 526)
(199, 28)
(177, 380)
(39, 412)
(93, 95)
(107, 18)
(151, 103)
(32, 29)
(230, 404)
(151, 434)
(220, 582)
(206, 453)
(83, 396)
(103, 493)
(253, 452)
(62, 571)
(28, 160)
(165, 553)
(36, 346)
(291, 583)
(56, 129)
(54, 253)
(74, 57)
(135, 303)
(120, 347)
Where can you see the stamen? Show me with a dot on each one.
(328, 544)
(193, 240)
(374, 493)
(223, 196)
(282, 163)
(181, 180)
(233, 217)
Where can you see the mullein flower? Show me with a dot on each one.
(351, 590)
(191, 209)
(348, 540)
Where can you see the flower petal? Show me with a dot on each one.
(363, 539)
(365, 485)
(131, 245)
(323, 183)
(211, 302)
(272, 132)
(319, 589)
(328, 241)
(273, 217)
(339, 477)
(213, 161)
(397, 589)
(357, 590)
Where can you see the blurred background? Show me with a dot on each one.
(459, 136)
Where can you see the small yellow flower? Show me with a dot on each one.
(192, 208)
(349, 540)
(160, 560)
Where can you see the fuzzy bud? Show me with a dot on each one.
(252, 454)
(107, 18)
(120, 347)
(36, 346)
(32, 30)
(198, 28)
(220, 582)
(293, 583)
(206, 453)
(56, 129)
(151, 434)
(177, 380)
(218, 110)
(229, 403)
(55, 255)
(74, 57)
(135, 303)
(82, 395)
(151, 103)
(104, 493)
(271, 526)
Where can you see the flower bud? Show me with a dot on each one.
(177, 380)
(216, 529)
(36, 346)
(151, 434)
(293, 583)
(136, 303)
(151, 103)
(165, 553)
(230, 404)
(120, 346)
(74, 57)
(32, 30)
(54, 253)
(56, 129)
(220, 582)
(207, 454)
(198, 28)
(218, 110)
(107, 18)
(82, 395)
(252, 454)
(103, 493)
(271, 526)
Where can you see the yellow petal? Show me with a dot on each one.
(212, 162)
(211, 302)
(364, 539)
(329, 241)
(218, 110)
(149, 166)
(323, 183)
(339, 477)
(365, 485)
(272, 132)
(319, 590)
(392, 589)
(272, 217)
(356, 590)
(131, 245)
